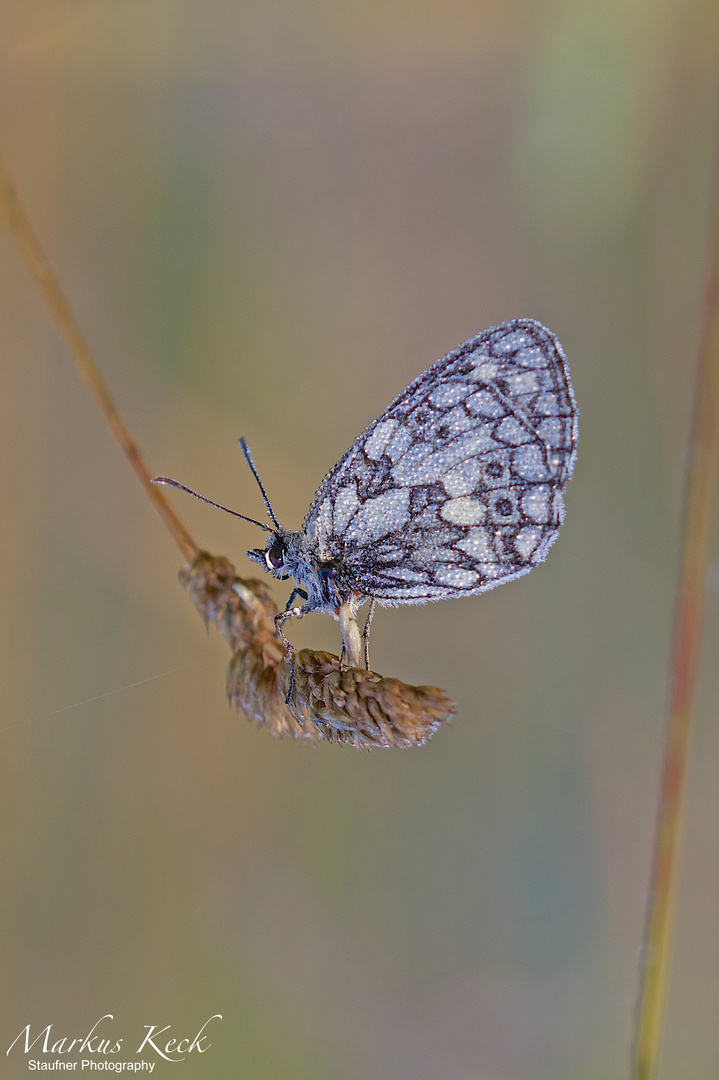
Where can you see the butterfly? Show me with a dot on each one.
(457, 487)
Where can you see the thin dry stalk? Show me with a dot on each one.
(699, 515)
(20, 227)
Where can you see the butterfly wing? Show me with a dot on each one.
(458, 485)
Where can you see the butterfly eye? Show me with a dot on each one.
(275, 555)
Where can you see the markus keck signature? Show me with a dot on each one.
(102, 1050)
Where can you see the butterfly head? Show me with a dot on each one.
(273, 557)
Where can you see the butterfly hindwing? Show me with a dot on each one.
(458, 485)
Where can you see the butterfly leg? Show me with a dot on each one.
(289, 613)
(295, 592)
(351, 639)
(365, 632)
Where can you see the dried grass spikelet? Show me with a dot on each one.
(328, 702)
(244, 612)
(362, 708)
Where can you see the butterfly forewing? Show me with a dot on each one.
(458, 485)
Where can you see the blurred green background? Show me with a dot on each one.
(269, 217)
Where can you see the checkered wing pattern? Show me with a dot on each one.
(458, 486)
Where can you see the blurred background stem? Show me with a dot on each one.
(699, 513)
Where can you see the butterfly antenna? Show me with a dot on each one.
(248, 458)
(176, 484)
